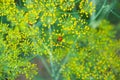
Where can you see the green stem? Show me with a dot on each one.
(99, 12)
(42, 59)
(45, 64)
(51, 62)
(50, 53)
(114, 13)
(66, 59)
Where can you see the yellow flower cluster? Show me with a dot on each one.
(49, 14)
(67, 5)
(31, 16)
(86, 7)
(16, 47)
(67, 22)
(93, 60)
(57, 30)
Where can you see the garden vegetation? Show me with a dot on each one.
(59, 32)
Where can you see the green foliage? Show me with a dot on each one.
(58, 31)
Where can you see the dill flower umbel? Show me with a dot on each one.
(58, 32)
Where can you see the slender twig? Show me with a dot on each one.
(99, 12)
(114, 13)
(50, 53)
(101, 9)
(42, 59)
(45, 64)
(66, 58)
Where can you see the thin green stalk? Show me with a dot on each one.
(50, 53)
(99, 12)
(114, 13)
(65, 60)
(45, 64)
(51, 62)
(42, 59)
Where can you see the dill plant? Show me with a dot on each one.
(58, 31)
